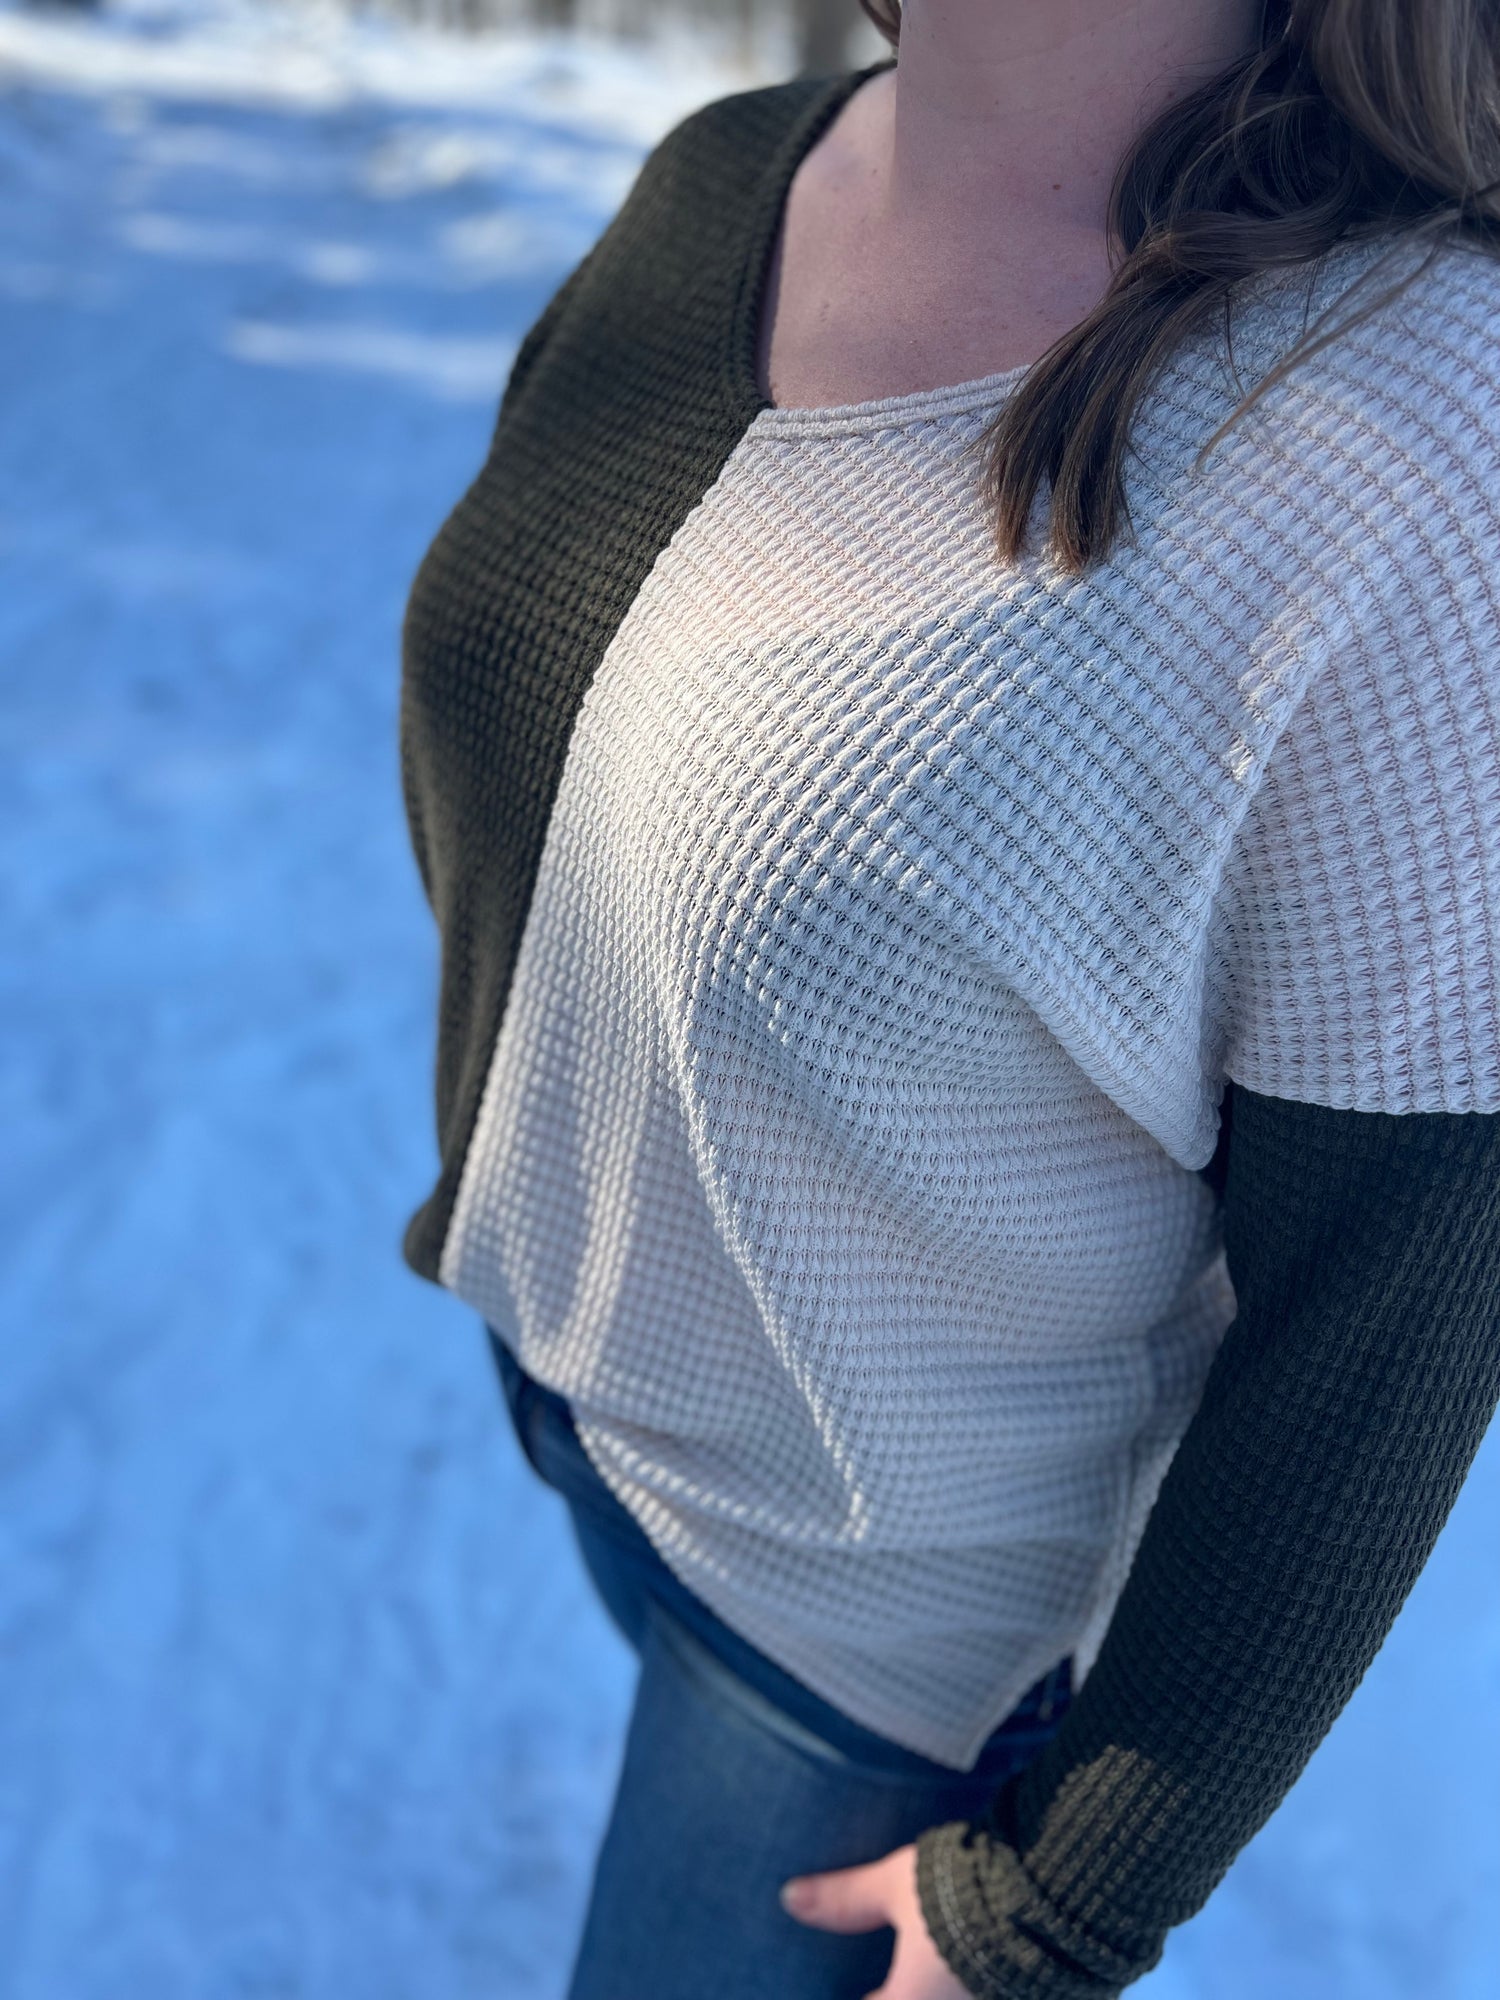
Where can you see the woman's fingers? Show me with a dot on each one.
(845, 1899)
(879, 1892)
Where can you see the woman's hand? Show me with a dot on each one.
(880, 1892)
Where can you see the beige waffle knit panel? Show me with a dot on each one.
(900, 916)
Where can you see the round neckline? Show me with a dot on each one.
(806, 420)
(740, 376)
(883, 412)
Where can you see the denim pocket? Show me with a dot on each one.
(718, 1683)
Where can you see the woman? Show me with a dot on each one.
(955, 747)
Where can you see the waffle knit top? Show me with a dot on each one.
(854, 948)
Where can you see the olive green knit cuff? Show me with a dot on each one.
(1000, 1933)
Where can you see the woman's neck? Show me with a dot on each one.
(951, 222)
(1024, 108)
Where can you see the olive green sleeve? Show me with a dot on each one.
(1336, 1426)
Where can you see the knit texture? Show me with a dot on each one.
(897, 923)
(850, 945)
(1341, 1414)
(871, 1307)
(624, 401)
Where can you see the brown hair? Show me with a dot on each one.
(1350, 119)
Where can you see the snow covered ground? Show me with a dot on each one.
(302, 1690)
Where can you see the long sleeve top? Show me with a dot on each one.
(957, 1070)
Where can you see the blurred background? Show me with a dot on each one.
(303, 1694)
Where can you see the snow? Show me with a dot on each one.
(302, 1688)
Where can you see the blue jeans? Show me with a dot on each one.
(734, 1776)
